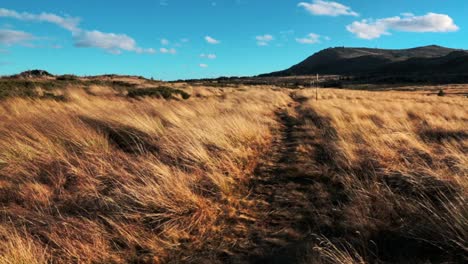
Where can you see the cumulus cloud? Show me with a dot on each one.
(208, 56)
(113, 43)
(165, 42)
(264, 40)
(431, 22)
(327, 8)
(311, 38)
(202, 65)
(212, 40)
(168, 51)
(69, 23)
(10, 37)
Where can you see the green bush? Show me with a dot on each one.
(159, 92)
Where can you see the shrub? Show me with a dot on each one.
(67, 77)
(441, 93)
(24, 88)
(161, 91)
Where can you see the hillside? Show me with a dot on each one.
(355, 61)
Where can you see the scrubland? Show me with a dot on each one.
(251, 174)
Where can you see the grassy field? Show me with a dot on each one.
(104, 174)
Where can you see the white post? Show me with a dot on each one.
(316, 88)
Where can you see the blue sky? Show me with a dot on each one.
(178, 39)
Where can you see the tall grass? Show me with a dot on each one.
(101, 177)
(403, 161)
(106, 179)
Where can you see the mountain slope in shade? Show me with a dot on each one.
(366, 60)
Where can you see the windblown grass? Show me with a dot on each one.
(105, 179)
(101, 177)
(402, 160)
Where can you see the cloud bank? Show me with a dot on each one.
(431, 22)
(68, 23)
(110, 42)
(113, 43)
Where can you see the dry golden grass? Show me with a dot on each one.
(101, 178)
(107, 179)
(403, 161)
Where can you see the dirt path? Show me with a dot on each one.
(301, 194)
(295, 196)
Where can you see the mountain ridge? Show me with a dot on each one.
(361, 60)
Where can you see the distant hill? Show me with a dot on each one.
(34, 74)
(356, 61)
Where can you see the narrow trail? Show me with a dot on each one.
(294, 193)
(301, 195)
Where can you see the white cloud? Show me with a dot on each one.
(208, 56)
(328, 8)
(311, 38)
(264, 40)
(431, 22)
(113, 43)
(212, 40)
(165, 42)
(168, 51)
(69, 23)
(10, 37)
(202, 65)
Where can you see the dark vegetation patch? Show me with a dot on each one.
(128, 139)
(158, 92)
(67, 77)
(29, 89)
(417, 186)
(45, 88)
(441, 134)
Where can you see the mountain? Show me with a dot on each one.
(354, 61)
